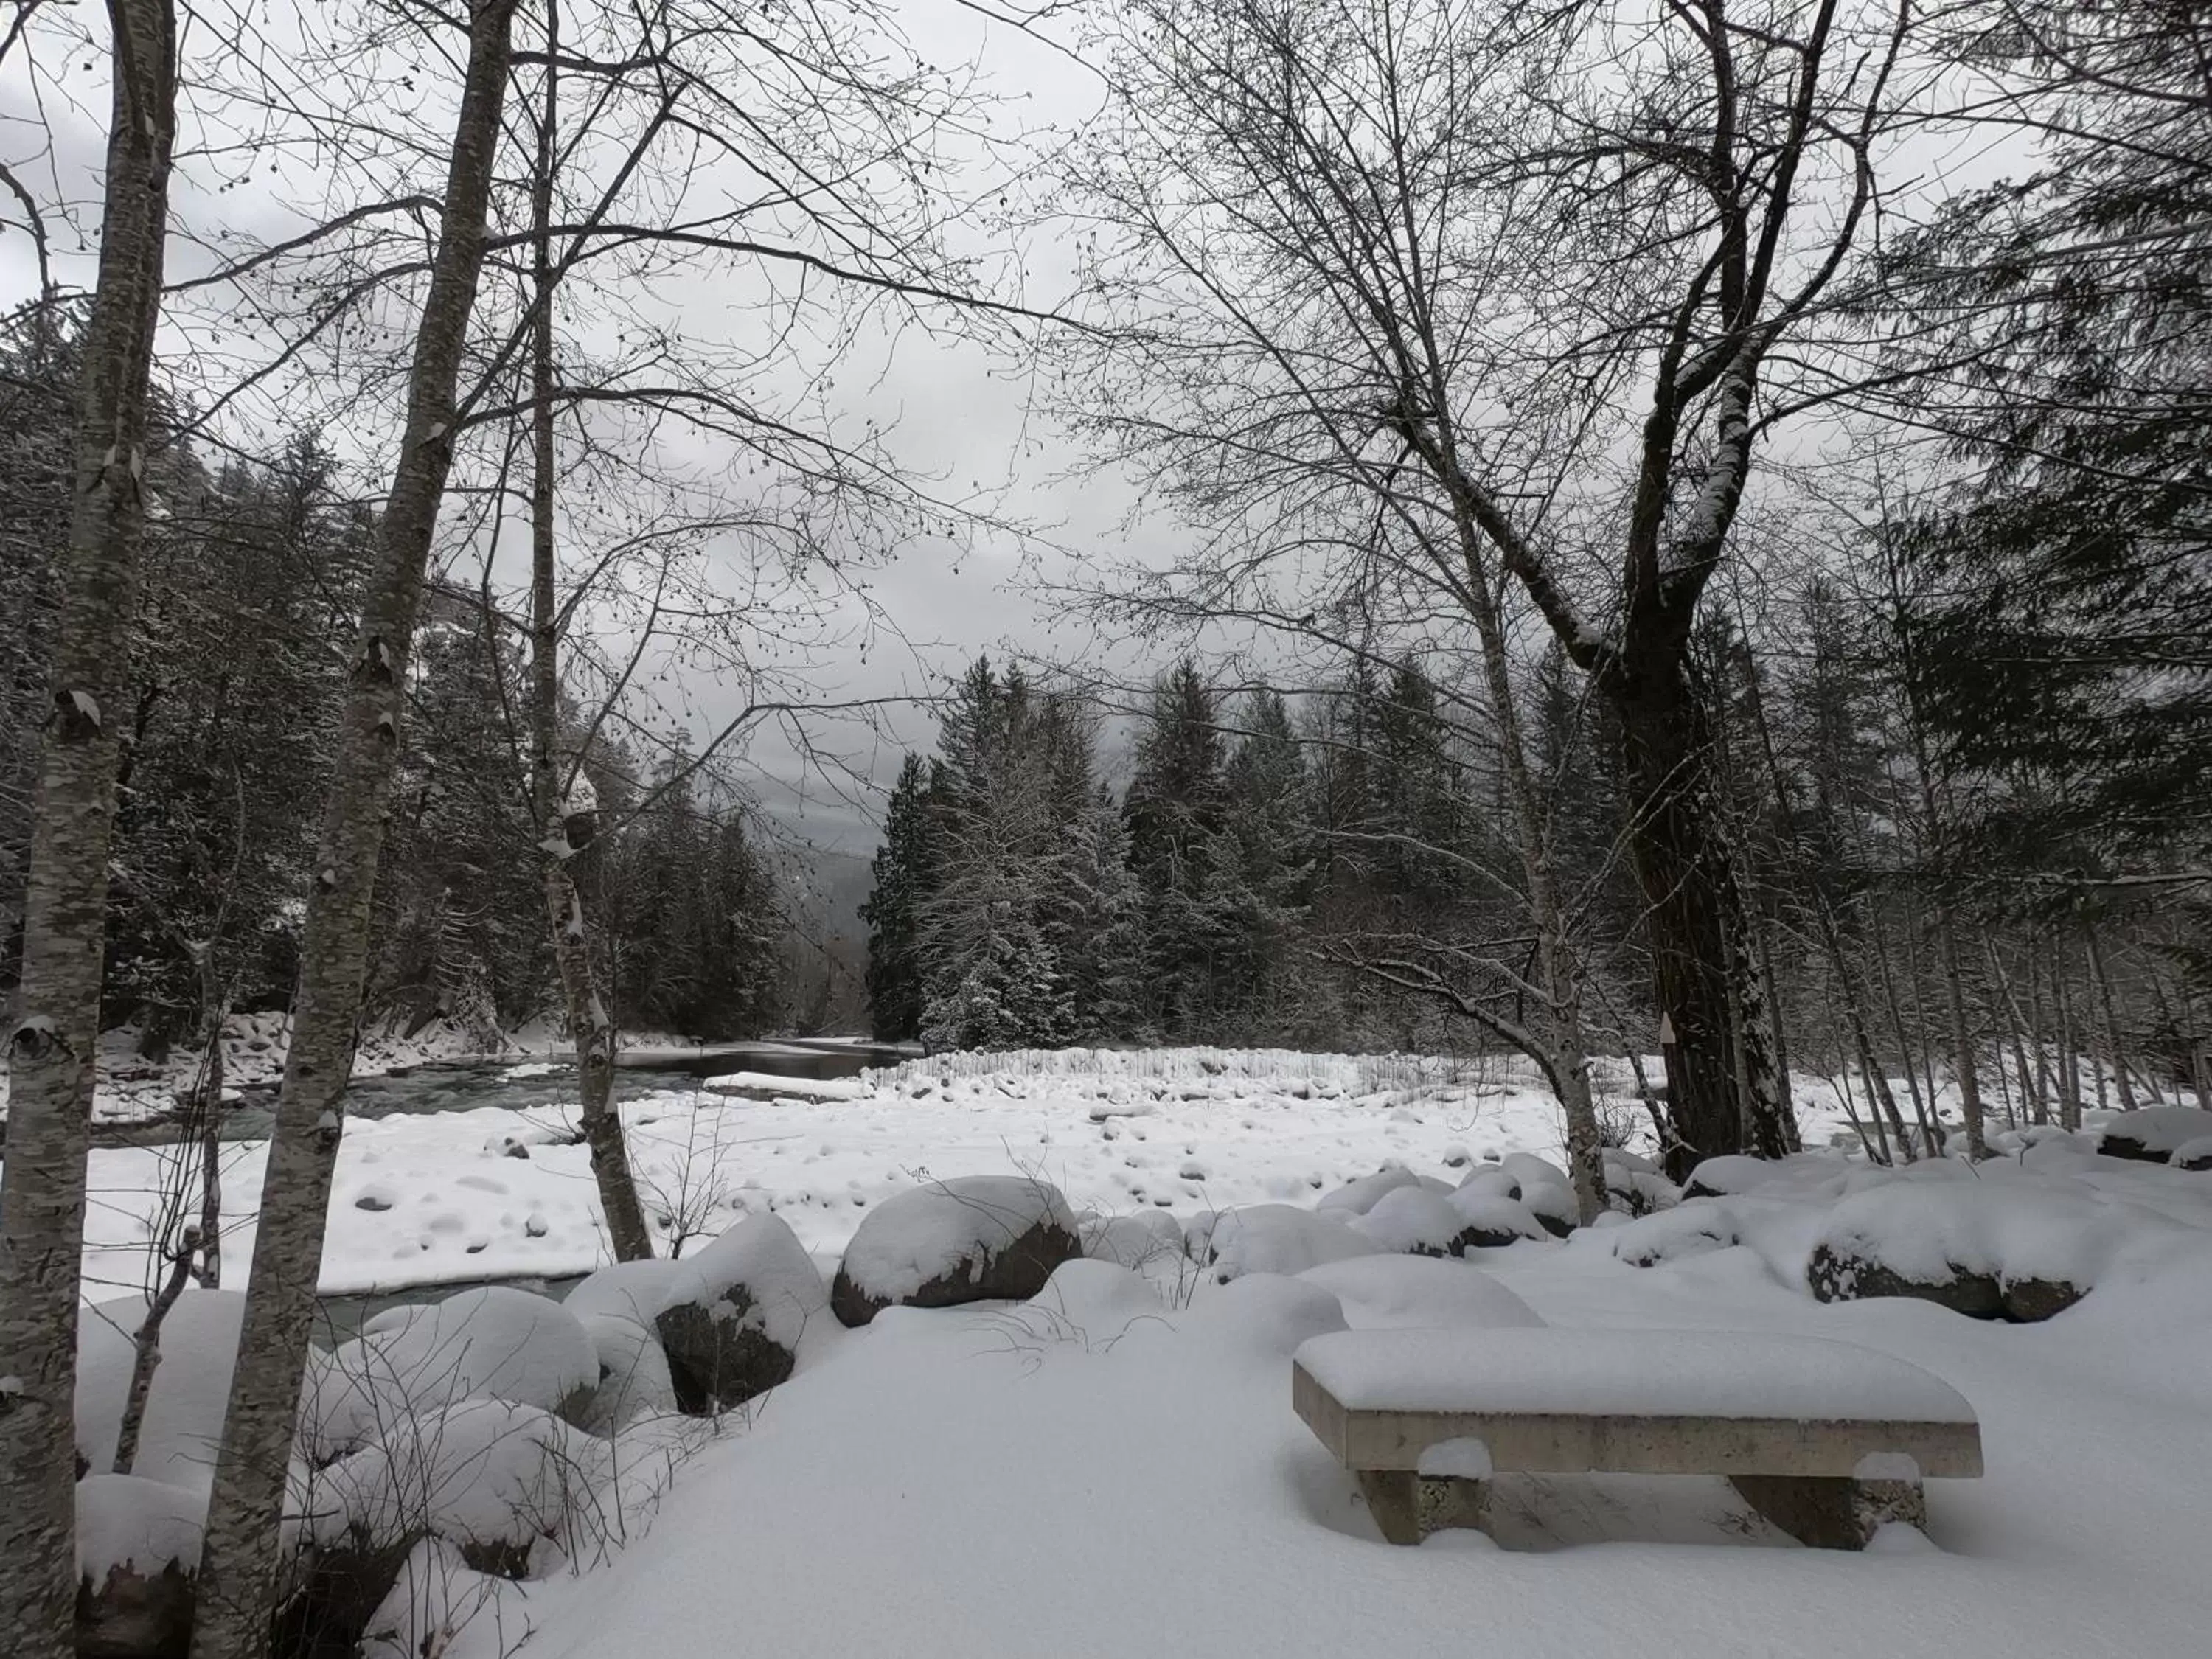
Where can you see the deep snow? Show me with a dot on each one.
(1114, 1466)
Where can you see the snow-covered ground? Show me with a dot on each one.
(1114, 1466)
(497, 1194)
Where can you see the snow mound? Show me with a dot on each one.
(1388, 1292)
(129, 1522)
(1097, 1299)
(1267, 1314)
(1279, 1238)
(187, 1398)
(482, 1472)
(1692, 1228)
(1412, 1220)
(767, 1086)
(1728, 1374)
(491, 1343)
(1133, 1241)
(1495, 1218)
(1358, 1197)
(2192, 1154)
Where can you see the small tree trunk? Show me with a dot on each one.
(589, 1026)
(146, 1351)
(211, 1269)
(2103, 981)
(240, 1562)
(1932, 1133)
(1962, 1036)
(2070, 1059)
(51, 1050)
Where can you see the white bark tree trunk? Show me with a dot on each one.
(589, 1026)
(239, 1567)
(51, 1046)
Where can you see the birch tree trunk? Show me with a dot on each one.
(240, 1563)
(589, 1025)
(51, 1048)
(2103, 981)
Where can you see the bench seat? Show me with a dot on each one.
(1826, 1440)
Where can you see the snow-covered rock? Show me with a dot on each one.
(489, 1476)
(137, 1550)
(1279, 1238)
(735, 1313)
(491, 1343)
(1358, 1197)
(1691, 1228)
(2019, 1249)
(969, 1239)
(618, 1307)
(2192, 1154)
(187, 1398)
(2153, 1134)
(1413, 1221)
(1490, 1220)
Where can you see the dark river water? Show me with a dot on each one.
(465, 1086)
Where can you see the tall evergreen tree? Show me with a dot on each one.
(904, 869)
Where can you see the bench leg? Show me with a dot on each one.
(1390, 1500)
(1831, 1512)
(1408, 1507)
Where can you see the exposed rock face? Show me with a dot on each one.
(135, 1615)
(974, 1238)
(1836, 1275)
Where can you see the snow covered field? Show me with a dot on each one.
(1114, 1465)
(493, 1193)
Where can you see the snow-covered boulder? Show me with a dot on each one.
(2022, 1249)
(730, 1325)
(2153, 1134)
(137, 1549)
(489, 1476)
(1552, 1204)
(187, 1400)
(491, 1343)
(972, 1238)
(1490, 1220)
(1691, 1228)
(1358, 1197)
(1414, 1221)
(618, 1307)
(1384, 1293)
(1279, 1238)
(2192, 1154)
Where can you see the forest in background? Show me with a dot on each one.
(251, 576)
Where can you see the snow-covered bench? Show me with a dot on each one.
(1825, 1440)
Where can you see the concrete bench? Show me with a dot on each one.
(1825, 1440)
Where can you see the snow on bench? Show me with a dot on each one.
(1825, 1440)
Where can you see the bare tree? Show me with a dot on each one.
(1417, 264)
(51, 1048)
(238, 1565)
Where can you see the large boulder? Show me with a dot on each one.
(731, 1324)
(2021, 1247)
(491, 1343)
(2155, 1133)
(1840, 1272)
(137, 1546)
(974, 1238)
